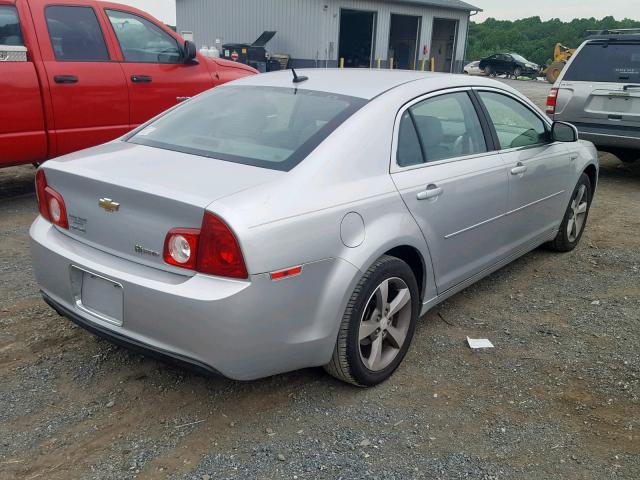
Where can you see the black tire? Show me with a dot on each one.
(346, 363)
(627, 156)
(563, 242)
(517, 72)
(488, 70)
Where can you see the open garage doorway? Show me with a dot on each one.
(443, 44)
(357, 37)
(403, 41)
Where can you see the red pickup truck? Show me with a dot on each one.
(77, 73)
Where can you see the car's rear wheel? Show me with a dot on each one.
(378, 324)
(488, 70)
(575, 217)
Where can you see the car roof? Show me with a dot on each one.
(362, 83)
(612, 37)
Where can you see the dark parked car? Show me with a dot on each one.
(510, 64)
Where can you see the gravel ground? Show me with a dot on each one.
(557, 398)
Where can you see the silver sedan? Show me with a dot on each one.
(282, 222)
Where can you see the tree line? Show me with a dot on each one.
(532, 38)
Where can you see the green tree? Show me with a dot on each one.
(532, 38)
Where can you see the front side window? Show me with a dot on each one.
(515, 124)
(268, 127)
(606, 62)
(143, 42)
(76, 34)
(443, 127)
(10, 33)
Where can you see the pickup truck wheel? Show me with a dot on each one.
(575, 217)
(378, 324)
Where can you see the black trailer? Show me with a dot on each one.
(254, 55)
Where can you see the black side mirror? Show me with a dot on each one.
(190, 51)
(564, 132)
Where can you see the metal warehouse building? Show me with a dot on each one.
(319, 33)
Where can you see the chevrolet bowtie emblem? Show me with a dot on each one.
(109, 205)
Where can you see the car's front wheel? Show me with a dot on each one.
(517, 72)
(575, 217)
(378, 324)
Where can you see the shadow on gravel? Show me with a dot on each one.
(16, 181)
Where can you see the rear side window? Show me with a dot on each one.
(516, 125)
(10, 34)
(614, 62)
(143, 42)
(447, 126)
(268, 127)
(76, 34)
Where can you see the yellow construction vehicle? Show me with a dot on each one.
(561, 56)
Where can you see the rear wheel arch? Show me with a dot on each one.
(412, 257)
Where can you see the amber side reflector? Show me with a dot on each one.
(289, 272)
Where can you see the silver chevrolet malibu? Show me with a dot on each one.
(282, 222)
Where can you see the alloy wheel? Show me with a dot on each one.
(384, 324)
(579, 207)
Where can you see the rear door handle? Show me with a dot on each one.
(65, 79)
(519, 169)
(431, 192)
(141, 79)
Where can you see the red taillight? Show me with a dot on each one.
(41, 185)
(213, 249)
(552, 99)
(219, 252)
(181, 247)
(50, 203)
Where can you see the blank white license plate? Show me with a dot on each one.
(100, 297)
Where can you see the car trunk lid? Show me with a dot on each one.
(124, 198)
(602, 103)
(601, 84)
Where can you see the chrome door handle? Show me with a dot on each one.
(431, 192)
(519, 169)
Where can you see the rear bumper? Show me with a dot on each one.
(240, 329)
(130, 343)
(611, 136)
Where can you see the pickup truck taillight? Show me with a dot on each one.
(552, 99)
(213, 249)
(50, 202)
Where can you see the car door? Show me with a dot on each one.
(453, 183)
(540, 170)
(152, 60)
(22, 133)
(88, 92)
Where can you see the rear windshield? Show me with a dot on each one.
(268, 127)
(613, 62)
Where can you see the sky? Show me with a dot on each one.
(165, 10)
(563, 9)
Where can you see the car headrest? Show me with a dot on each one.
(430, 129)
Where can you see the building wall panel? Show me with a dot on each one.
(307, 29)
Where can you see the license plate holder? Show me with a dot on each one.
(98, 296)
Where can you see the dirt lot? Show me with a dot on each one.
(557, 397)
